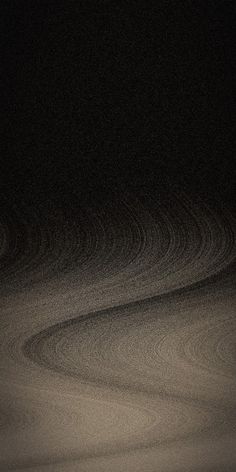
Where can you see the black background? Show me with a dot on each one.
(114, 95)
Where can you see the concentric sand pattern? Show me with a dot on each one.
(118, 337)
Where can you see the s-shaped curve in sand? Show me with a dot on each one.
(118, 338)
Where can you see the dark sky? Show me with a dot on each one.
(104, 95)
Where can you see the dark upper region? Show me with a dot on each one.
(105, 95)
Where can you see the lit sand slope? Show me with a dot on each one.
(118, 335)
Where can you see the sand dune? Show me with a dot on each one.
(118, 337)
